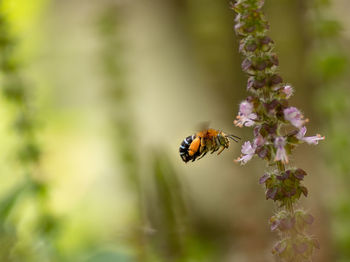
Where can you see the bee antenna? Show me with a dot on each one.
(234, 138)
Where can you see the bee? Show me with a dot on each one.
(199, 144)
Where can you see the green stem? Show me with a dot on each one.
(281, 166)
(288, 202)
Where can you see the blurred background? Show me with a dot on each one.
(97, 97)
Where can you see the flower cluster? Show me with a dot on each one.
(284, 187)
(278, 127)
(300, 246)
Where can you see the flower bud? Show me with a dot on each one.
(299, 174)
(271, 193)
(275, 80)
(264, 178)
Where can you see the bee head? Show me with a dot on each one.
(223, 140)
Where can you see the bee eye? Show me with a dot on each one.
(221, 139)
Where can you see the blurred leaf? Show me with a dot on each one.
(329, 64)
(108, 256)
(8, 201)
(328, 28)
(13, 88)
(8, 239)
(167, 210)
(199, 249)
(30, 153)
(333, 100)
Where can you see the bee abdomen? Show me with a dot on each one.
(184, 148)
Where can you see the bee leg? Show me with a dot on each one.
(203, 155)
(202, 148)
(222, 149)
(212, 145)
(216, 144)
(214, 150)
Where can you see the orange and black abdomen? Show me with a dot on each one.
(184, 149)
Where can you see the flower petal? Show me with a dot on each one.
(293, 115)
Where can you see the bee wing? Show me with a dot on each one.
(203, 125)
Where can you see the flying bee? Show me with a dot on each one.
(199, 144)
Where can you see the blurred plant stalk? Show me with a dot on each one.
(161, 230)
(18, 94)
(116, 92)
(328, 61)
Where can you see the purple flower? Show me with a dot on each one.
(264, 178)
(280, 247)
(288, 91)
(248, 151)
(281, 154)
(293, 115)
(308, 219)
(271, 193)
(309, 139)
(259, 140)
(300, 248)
(245, 116)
